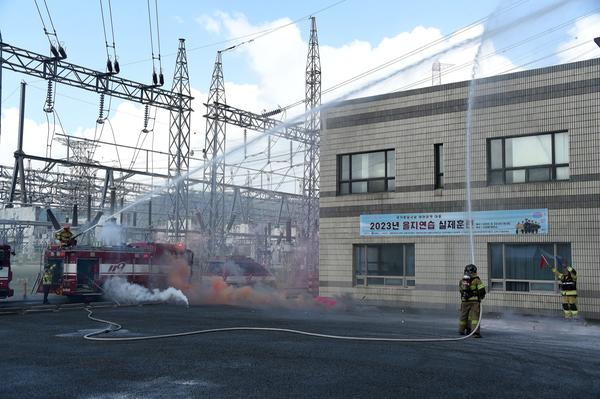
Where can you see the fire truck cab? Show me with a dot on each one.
(82, 270)
(5, 272)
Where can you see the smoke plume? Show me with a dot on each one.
(124, 292)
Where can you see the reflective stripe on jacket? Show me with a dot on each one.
(471, 290)
(47, 278)
(568, 282)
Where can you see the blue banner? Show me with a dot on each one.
(522, 221)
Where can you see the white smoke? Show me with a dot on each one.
(111, 233)
(123, 292)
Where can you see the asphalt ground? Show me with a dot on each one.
(45, 355)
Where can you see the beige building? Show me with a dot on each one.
(397, 162)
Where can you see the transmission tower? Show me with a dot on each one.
(214, 155)
(312, 126)
(79, 151)
(179, 146)
(436, 72)
(310, 192)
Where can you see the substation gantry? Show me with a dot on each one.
(177, 101)
(219, 114)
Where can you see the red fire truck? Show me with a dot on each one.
(5, 272)
(82, 270)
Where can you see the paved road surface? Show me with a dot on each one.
(45, 356)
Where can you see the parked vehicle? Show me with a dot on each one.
(239, 271)
(5, 272)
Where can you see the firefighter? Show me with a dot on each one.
(472, 291)
(568, 290)
(65, 236)
(47, 278)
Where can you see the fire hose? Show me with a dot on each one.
(113, 327)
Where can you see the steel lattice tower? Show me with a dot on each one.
(214, 154)
(179, 147)
(310, 193)
(312, 125)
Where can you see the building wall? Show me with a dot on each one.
(564, 97)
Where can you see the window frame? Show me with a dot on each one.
(438, 177)
(553, 166)
(494, 281)
(388, 181)
(362, 280)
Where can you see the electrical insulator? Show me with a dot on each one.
(117, 67)
(109, 67)
(245, 142)
(101, 117)
(54, 51)
(154, 78)
(146, 117)
(161, 79)
(49, 107)
(62, 52)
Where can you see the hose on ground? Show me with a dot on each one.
(113, 327)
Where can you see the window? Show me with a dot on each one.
(368, 172)
(522, 159)
(438, 150)
(384, 264)
(516, 267)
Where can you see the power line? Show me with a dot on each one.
(254, 35)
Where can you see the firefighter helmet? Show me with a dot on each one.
(470, 268)
(67, 226)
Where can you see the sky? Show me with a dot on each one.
(394, 43)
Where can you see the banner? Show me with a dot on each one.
(522, 221)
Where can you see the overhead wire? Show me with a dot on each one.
(258, 34)
(151, 38)
(441, 40)
(158, 36)
(512, 46)
(104, 30)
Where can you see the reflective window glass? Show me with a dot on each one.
(539, 174)
(391, 163)
(496, 154)
(561, 145)
(359, 187)
(345, 165)
(377, 166)
(515, 176)
(562, 173)
(360, 166)
(528, 151)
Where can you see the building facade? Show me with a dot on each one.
(397, 170)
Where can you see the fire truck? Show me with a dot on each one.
(82, 270)
(5, 272)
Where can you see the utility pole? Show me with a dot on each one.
(19, 170)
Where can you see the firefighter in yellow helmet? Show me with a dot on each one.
(472, 291)
(65, 236)
(568, 290)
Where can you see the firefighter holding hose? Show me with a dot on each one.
(568, 287)
(65, 236)
(472, 291)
